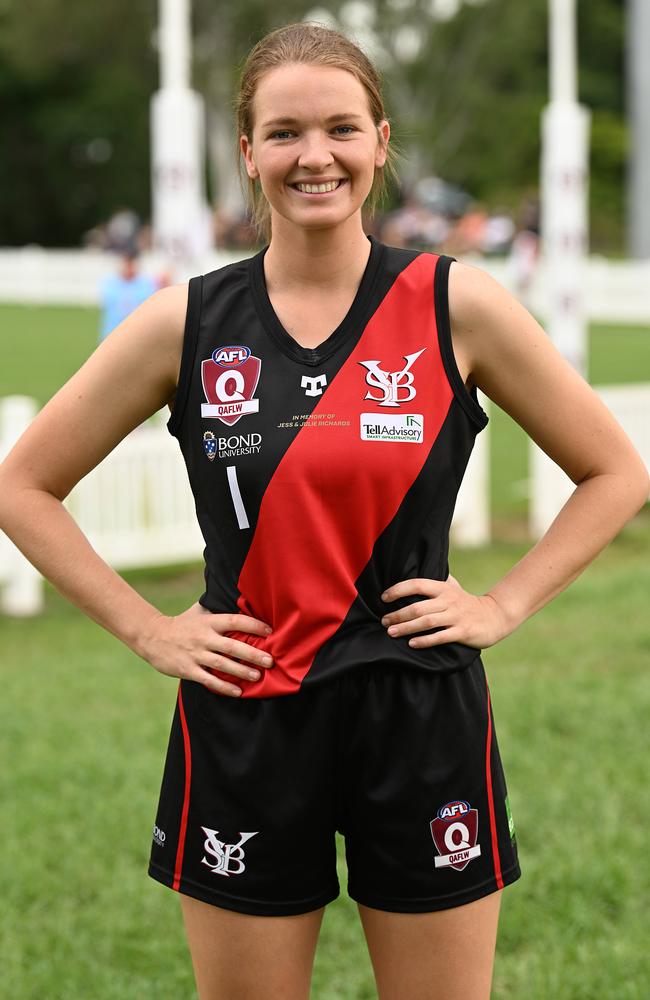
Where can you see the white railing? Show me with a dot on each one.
(21, 592)
(549, 485)
(136, 507)
(615, 291)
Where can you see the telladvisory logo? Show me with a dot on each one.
(229, 380)
(408, 427)
(390, 383)
(454, 832)
(224, 854)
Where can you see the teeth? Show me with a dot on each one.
(318, 188)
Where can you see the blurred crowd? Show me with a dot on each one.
(433, 215)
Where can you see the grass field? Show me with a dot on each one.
(84, 726)
(84, 731)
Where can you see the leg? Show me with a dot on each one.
(235, 955)
(442, 955)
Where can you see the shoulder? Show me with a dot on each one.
(170, 304)
(487, 321)
(151, 336)
(474, 295)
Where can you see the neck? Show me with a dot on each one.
(313, 259)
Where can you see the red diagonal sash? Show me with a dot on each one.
(333, 494)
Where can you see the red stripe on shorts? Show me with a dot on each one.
(186, 796)
(488, 779)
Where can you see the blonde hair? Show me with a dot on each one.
(315, 44)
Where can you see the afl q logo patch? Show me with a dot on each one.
(454, 832)
(229, 379)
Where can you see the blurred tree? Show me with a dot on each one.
(477, 94)
(465, 89)
(75, 81)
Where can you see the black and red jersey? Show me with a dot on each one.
(323, 475)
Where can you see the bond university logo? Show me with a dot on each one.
(313, 386)
(228, 859)
(454, 832)
(394, 387)
(230, 378)
(210, 445)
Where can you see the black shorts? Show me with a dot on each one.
(403, 763)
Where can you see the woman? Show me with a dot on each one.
(323, 393)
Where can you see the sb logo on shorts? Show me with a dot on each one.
(454, 832)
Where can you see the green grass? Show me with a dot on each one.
(84, 730)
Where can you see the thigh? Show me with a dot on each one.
(443, 955)
(237, 956)
(426, 817)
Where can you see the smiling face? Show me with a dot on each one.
(312, 124)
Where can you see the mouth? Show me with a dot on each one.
(319, 194)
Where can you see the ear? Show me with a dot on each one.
(247, 152)
(383, 135)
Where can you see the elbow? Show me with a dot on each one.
(6, 501)
(10, 500)
(644, 491)
(639, 485)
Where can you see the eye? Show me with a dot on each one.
(274, 135)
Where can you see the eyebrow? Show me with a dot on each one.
(294, 121)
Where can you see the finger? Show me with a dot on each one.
(437, 638)
(244, 623)
(214, 684)
(419, 624)
(413, 611)
(241, 650)
(227, 666)
(417, 585)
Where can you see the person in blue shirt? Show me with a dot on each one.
(120, 293)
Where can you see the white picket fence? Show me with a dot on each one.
(614, 290)
(136, 507)
(549, 487)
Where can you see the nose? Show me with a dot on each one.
(314, 152)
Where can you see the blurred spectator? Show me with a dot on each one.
(524, 250)
(122, 230)
(468, 234)
(414, 226)
(232, 231)
(121, 293)
(498, 233)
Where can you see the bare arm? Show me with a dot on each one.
(99, 405)
(131, 375)
(515, 363)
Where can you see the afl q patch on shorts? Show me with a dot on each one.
(402, 762)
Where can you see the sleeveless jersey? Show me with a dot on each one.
(322, 476)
